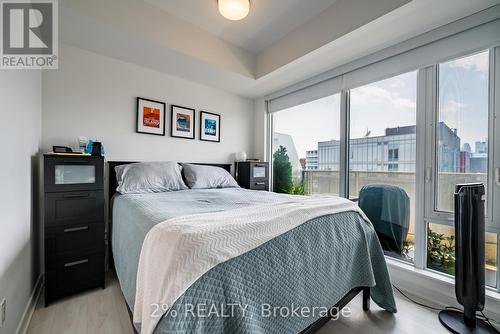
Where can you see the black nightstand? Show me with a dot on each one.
(74, 221)
(253, 175)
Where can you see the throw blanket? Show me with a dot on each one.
(177, 252)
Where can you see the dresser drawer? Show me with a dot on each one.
(259, 172)
(73, 173)
(258, 185)
(75, 240)
(73, 207)
(73, 274)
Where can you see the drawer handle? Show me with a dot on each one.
(76, 161)
(75, 195)
(260, 183)
(75, 229)
(75, 263)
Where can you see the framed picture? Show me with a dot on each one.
(182, 122)
(150, 117)
(209, 126)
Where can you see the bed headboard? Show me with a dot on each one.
(112, 174)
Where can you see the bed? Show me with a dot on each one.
(321, 264)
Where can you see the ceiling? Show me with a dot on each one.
(267, 22)
(280, 43)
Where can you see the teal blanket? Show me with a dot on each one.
(308, 269)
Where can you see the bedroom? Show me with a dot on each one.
(291, 114)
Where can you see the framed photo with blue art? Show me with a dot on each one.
(209, 126)
(182, 122)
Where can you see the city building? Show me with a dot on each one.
(311, 160)
(464, 161)
(395, 151)
(474, 162)
(479, 159)
(481, 147)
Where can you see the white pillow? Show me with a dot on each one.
(207, 177)
(149, 177)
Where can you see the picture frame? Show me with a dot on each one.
(150, 117)
(182, 122)
(210, 126)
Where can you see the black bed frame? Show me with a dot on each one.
(315, 326)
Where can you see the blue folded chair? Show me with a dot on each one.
(388, 208)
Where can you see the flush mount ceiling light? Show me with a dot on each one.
(234, 10)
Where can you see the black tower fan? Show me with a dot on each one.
(469, 263)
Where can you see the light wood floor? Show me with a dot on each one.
(104, 311)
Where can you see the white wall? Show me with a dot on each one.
(20, 131)
(260, 121)
(95, 96)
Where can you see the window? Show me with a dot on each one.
(383, 131)
(379, 121)
(393, 167)
(462, 131)
(460, 151)
(393, 154)
(306, 147)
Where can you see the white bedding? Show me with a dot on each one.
(180, 250)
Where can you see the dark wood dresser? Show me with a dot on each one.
(74, 220)
(253, 175)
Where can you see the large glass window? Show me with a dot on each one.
(455, 114)
(462, 131)
(461, 151)
(382, 152)
(306, 147)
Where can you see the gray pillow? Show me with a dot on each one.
(149, 177)
(207, 177)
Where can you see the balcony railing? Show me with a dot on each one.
(321, 182)
(327, 182)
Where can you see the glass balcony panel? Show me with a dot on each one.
(441, 252)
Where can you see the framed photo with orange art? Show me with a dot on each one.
(150, 117)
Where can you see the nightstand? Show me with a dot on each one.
(253, 175)
(74, 221)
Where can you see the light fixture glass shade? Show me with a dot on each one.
(234, 9)
(240, 156)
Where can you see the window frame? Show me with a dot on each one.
(270, 129)
(494, 150)
(431, 214)
(431, 156)
(427, 119)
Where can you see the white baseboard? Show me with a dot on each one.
(22, 328)
(437, 289)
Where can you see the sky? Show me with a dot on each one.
(463, 104)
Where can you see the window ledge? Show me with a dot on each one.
(434, 287)
(400, 265)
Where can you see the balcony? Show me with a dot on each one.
(441, 255)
